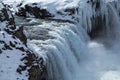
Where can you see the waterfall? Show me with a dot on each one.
(69, 51)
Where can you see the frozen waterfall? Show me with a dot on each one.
(70, 53)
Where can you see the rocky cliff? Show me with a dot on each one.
(17, 61)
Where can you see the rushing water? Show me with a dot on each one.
(70, 54)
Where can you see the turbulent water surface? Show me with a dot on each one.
(69, 52)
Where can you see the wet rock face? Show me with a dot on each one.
(15, 57)
(97, 20)
(98, 24)
(100, 20)
(33, 10)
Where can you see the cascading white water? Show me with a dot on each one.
(71, 55)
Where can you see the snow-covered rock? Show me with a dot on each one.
(56, 9)
(17, 61)
(67, 10)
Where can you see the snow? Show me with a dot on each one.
(3, 24)
(52, 5)
(9, 62)
(10, 56)
(111, 75)
(110, 0)
(1, 6)
(11, 59)
(55, 6)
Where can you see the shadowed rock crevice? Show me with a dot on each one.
(98, 20)
(98, 24)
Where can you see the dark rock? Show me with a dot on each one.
(7, 47)
(11, 44)
(0, 51)
(37, 73)
(22, 12)
(71, 11)
(8, 56)
(21, 48)
(34, 11)
(21, 68)
(20, 34)
(37, 70)
(2, 41)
